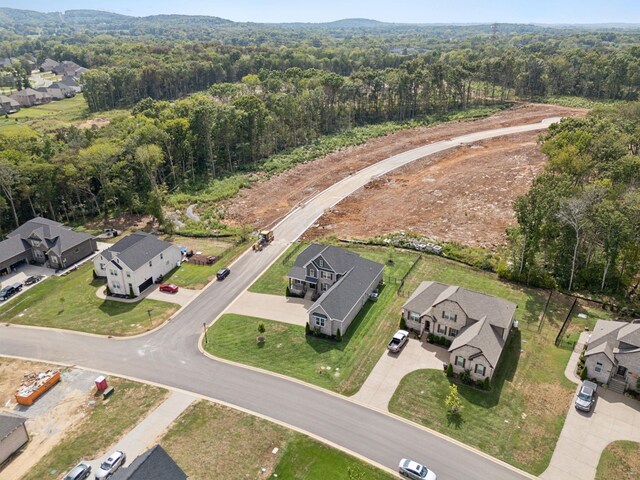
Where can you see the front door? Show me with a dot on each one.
(622, 371)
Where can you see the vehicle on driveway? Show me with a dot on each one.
(111, 464)
(10, 290)
(586, 396)
(33, 279)
(79, 472)
(411, 469)
(398, 341)
(169, 287)
(223, 273)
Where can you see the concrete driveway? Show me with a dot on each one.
(272, 307)
(385, 377)
(181, 297)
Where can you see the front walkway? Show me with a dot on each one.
(272, 307)
(585, 435)
(147, 433)
(385, 377)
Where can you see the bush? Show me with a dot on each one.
(261, 328)
(430, 337)
(307, 329)
(447, 342)
(450, 370)
(338, 336)
(479, 384)
(486, 384)
(465, 377)
(583, 373)
(403, 323)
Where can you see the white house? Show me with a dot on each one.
(134, 262)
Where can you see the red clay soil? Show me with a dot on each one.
(463, 195)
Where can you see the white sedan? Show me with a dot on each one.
(414, 470)
(111, 464)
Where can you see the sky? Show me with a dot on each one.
(399, 11)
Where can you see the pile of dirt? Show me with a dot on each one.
(269, 200)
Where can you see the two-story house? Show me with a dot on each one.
(133, 263)
(340, 280)
(477, 324)
(45, 242)
(613, 354)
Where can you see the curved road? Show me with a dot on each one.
(170, 356)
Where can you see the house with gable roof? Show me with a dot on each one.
(613, 354)
(45, 242)
(477, 324)
(133, 263)
(154, 464)
(340, 281)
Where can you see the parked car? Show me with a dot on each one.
(169, 287)
(10, 290)
(33, 279)
(586, 396)
(373, 296)
(398, 341)
(223, 273)
(111, 464)
(79, 472)
(411, 469)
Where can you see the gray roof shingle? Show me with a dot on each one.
(604, 332)
(154, 464)
(482, 336)
(136, 249)
(8, 423)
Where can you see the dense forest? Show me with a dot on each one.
(579, 226)
(208, 98)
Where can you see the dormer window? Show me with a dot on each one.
(312, 272)
(321, 262)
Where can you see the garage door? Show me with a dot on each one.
(148, 282)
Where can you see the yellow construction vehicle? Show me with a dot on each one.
(264, 237)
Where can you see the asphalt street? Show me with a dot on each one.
(170, 356)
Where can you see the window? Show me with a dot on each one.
(321, 263)
(161, 256)
(449, 316)
(599, 367)
(319, 321)
(113, 273)
(453, 332)
(460, 361)
(128, 274)
(312, 272)
(413, 316)
(480, 369)
(324, 287)
(442, 329)
(102, 266)
(326, 275)
(150, 264)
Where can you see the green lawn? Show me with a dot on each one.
(198, 276)
(70, 302)
(247, 448)
(619, 461)
(50, 116)
(105, 422)
(342, 367)
(520, 420)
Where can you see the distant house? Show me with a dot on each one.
(66, 90)
(13, 435)
(8, 105)
(8, 61)
(54, 93)
(154, 464)
(477, 324)
(134, 262)
(48, 65)
(68, 68)
(613, 354)
(44, 242)
(343, 281)
(29, 97)
(71, 82)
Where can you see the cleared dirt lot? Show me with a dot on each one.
(270, 199)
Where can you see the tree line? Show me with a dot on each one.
(579, 226)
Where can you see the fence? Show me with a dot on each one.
(286, 260)
(401, 291)
(566, 323)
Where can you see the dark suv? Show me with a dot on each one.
(10, 290)
(222, 274)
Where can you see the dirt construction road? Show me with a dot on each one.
(463, 195)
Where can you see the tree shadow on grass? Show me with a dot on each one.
(455, 420)
(322, 345)
(505, 371)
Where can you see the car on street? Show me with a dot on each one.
(79, 472)
(169, 287)
(33, 279)
(411, 469)
(111, 464)
(223, 273)
(10, 290)
(586, 396)
(398, 341)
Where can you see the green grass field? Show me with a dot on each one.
(619, 461)
(70, 303)
(48, 117)
(519, 421)
(104, 423)
(342, 367)
(247, 449)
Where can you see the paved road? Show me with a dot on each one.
(170, 355)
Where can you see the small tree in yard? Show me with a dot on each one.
(62, 304)
(487, 384)
(307, 329)
(453, 402)
(450, 370)
(583, 373)
(261, 328)
(338, 336)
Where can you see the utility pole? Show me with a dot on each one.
(204, 327)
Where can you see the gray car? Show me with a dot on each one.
(79, 472)
(586, 396)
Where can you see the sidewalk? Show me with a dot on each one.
(572, 364)
(147, 432)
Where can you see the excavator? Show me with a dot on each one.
(264, 237)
